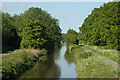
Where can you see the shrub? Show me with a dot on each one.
(71, 37)
(42, 52)
(85, 55)
(18, 61)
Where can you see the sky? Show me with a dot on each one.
(56, 0)
(71, 15)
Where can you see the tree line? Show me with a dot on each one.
(101, 27)
(34, 28)
(71, 37)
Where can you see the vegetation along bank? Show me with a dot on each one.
(89, 65)
(102, 27)
(34, 33)
(34, 28)
(20, 60)
(99, 33)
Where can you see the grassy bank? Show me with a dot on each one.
(16, 62)
(89, 65)
(0, 67)
(109, 53)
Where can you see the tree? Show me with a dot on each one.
(101, 27)
(10, 40)
(71, 36)
(38, 29)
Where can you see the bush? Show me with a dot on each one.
(85, 55)
(42, 52)
(18, 61)
(82, 54)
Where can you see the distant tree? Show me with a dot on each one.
(63, 36)
(71, 36)
(115, 1)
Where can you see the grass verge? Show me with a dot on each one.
(109, 53)
(18, 61)
(0, 67)
(89, 65)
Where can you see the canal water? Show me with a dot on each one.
(59, 65)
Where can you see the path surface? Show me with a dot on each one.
(109, 60)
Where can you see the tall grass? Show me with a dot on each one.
(0, 66)
(89, 65)
(14, 63)
(109, 53)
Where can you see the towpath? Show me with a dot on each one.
(108, 60)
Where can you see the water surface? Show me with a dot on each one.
(58, 65)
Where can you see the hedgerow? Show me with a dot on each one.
(14, 63)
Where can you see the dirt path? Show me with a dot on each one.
(108, 60)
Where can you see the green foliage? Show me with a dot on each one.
(71, 37)
(92, 66)
(14, 63)
(34, 28)
(37, 29)
(63, 36)
(102, 26)
(34, 35)
(43, 52)
(85, 55)
(10, 40)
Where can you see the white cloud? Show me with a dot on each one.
(56, 0)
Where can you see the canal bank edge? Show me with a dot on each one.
(18, 61)
(89, 65)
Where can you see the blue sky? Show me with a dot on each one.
(70, 14)
(56, 0)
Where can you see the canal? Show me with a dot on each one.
(59, 65)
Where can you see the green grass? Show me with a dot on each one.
(0, 66)
(89, 65)
(0, 63)
(109, 53)
(16, 62)
(80, 44)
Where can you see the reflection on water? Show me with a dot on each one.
(67, 69)
(57, 66)
(69, 57)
